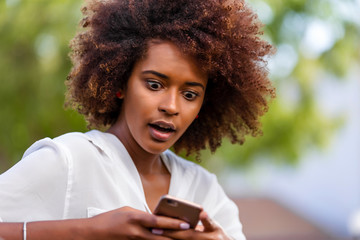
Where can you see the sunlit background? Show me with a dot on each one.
(308, 160)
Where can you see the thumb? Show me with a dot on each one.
(208, 223)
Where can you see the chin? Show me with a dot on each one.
(157, 147)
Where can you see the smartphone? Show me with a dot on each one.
(178, 208)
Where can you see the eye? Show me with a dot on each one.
(190, 95)
(153, 85)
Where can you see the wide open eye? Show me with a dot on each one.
(153, 85)
(189, 95)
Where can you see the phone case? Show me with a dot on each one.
(178, 208)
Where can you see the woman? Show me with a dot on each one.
(154, 75)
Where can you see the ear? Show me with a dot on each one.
(120, 94)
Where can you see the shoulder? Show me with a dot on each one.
(63, 145)
(73, 139)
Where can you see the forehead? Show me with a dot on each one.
(165, 57)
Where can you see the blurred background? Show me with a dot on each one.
(300, 180)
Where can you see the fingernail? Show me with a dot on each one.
(184, 226)
(157, 231)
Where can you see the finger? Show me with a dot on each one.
(145, 233)
(208, 223)
(162, 222)
(157, 231)
(181, 234)
(155, 236)
(199, 228)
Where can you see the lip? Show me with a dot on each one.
(164, 124)
(159, 135)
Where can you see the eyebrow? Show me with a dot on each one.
(160, 75)
(163, 76)
(195, 84)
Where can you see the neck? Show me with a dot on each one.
(145, 162)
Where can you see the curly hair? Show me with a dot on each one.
(222, 35)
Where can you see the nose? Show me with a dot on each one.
(169, 103)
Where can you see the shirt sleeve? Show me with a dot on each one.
(35, 188)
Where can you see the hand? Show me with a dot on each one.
(209, 230)
(129, 223)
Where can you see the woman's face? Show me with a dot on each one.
(163, 96)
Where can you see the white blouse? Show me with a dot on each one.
(79, 175)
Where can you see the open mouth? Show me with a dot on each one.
(161, 131)
(160, 128)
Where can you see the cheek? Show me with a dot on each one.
(190, 112)
(138, 110)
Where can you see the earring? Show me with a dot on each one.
(119, 94)
(197, 116)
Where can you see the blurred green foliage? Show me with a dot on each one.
(315, 40)
(34, 63)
